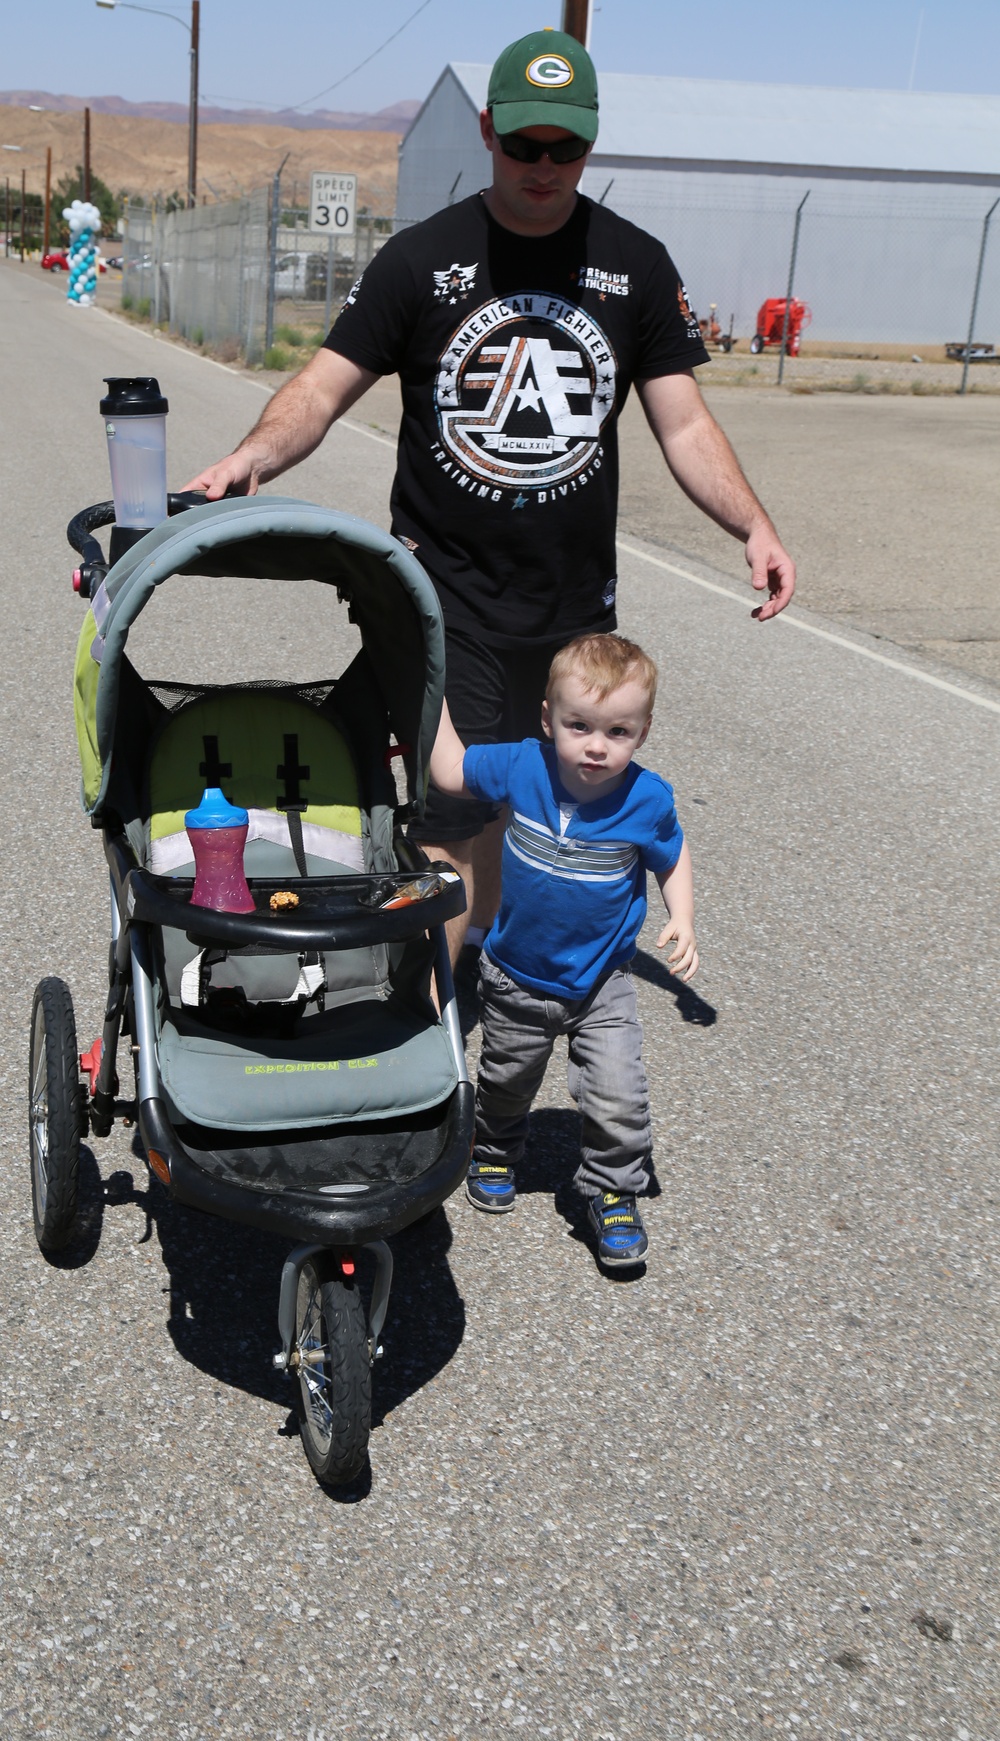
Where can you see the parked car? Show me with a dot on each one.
(116, 262)
(59, 262)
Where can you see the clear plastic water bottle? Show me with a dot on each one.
(217, 831)
(135, 418)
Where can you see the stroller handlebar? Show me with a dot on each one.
(81, 529)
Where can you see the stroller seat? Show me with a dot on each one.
(365, 1060)
(278, 1041)
(275, 756)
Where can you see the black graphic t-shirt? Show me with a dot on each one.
(515, 356)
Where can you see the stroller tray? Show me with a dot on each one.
(339, 912)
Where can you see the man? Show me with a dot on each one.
(517, 320)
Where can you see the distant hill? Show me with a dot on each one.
(146, 157)
(395, 119)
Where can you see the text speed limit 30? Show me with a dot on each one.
(332, 203)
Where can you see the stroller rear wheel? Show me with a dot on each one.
(55, 1114)
(334, 1375)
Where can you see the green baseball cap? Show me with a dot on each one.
(546, 79)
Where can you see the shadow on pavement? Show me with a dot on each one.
(550, 1160)
(89, 1217)
(690, 1007)
(223, 1298)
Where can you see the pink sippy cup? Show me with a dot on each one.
(217, 831)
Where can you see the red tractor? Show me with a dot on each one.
(771, 321)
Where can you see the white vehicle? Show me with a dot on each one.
(290, 274)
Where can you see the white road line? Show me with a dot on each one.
(359, 429)
(743, 600)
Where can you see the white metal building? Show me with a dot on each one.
(899, 185)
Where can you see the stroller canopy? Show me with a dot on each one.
(390, 598)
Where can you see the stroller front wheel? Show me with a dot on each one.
(334, 1376)
(55, 1114)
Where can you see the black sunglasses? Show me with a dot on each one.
(524, 150)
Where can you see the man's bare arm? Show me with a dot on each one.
(292, 424)
(705, 466)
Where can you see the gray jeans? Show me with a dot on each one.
(606, 1075)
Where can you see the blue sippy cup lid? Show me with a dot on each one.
(215, 811)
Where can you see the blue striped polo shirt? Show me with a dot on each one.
(574, 875)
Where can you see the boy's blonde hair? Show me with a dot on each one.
(603, 663)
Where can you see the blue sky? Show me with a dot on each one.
(260, 51)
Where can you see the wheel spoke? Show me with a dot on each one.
(315, 1380)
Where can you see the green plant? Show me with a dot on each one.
(859, 382)
(276, 357)
(127, 301)
(289, 335)
(143, 308)
(198, 336)
(71, 188)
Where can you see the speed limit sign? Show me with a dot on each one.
(332, 203)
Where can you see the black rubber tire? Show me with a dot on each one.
(335, 1395)
(55, 1114)
(756, 345)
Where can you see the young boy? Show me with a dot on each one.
(586, 823)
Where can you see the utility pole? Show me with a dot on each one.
(272, 252)
(22, 217)
(193, 105)
(576, 20)
(6, 227)
(86, 155)
(48, 199)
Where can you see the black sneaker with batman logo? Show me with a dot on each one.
(621, 1237)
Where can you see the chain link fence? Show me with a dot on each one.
(899, 273)
(314, 274)
(228, 275)
(905, 275)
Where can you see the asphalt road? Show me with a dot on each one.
(706, 1504)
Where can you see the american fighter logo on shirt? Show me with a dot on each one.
(523, 390)
(454, 284)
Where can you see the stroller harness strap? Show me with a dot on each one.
(196, 990)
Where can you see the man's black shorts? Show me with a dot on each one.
(495, 696)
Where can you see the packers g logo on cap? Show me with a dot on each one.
(549, 71)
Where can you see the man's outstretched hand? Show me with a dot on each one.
(770, 567)
(235, 476)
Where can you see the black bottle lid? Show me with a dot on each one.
(133, 396)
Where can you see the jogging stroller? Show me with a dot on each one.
(291, 1070)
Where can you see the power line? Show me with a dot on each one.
(291, 108)
(363, 63)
